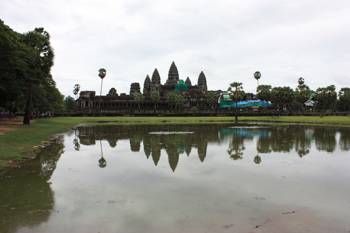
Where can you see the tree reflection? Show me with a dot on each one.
(34, 199)
(236, 148)
(76, 144)
(257, 159)
(264, 145)
(303, 139)
(102, 163)
(76, 141)
(282, 139)
(344, 141)
(325, 139)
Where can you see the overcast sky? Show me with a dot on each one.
(228, 40)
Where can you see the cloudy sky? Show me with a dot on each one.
(228, 40)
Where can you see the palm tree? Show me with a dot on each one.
(301, 81)
(76, 90)
(211, 100)
(257, 76)
(236, 93)
(101, 74)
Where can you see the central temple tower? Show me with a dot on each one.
(173, 75)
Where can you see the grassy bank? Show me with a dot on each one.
(326, 120)
(16, 144)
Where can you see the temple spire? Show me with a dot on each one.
(155, 77)
(202, 82)
(147, 86)
(173, 75)
(188, 82)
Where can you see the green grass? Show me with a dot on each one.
(16, 144)
(326, 120)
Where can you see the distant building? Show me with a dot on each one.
(194, 95)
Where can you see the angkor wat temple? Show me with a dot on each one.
(154, 96)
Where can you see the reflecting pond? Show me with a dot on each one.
(215, 178)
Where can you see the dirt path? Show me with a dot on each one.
(8, 124)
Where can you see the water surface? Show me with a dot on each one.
(183, 179)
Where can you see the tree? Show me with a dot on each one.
(343, 103)
(257, 76)
(264, 92)
(155, 98)
(69, 104)
(326, 98)
(176, 100)
(302, 92)
(282, 97)
(139, 98)
(14, 68)
(102, 74)
(40, 63)
(76, 90)
(236, 93)
(112, 92)
(25, 79)
(211, 99)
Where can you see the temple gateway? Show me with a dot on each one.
(175, 95)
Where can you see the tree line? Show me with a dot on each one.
(26, 83)
(300, 99)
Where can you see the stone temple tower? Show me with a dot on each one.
(147, 87)
(155, 77)
(188, 81)
(155, 83)
(202, 82)
(173, 75)
(134, 89)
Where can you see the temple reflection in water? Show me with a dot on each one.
(194, 140)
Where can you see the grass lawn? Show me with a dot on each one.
(326, 120)
(16, 144)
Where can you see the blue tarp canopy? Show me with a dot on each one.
(244, 104)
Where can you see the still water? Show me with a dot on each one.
(188, 179)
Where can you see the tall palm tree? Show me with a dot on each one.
(236, 93)
(101, 74)
(76, 90)
(257, 76)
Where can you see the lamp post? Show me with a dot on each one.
(101, 74)
(257, 76)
